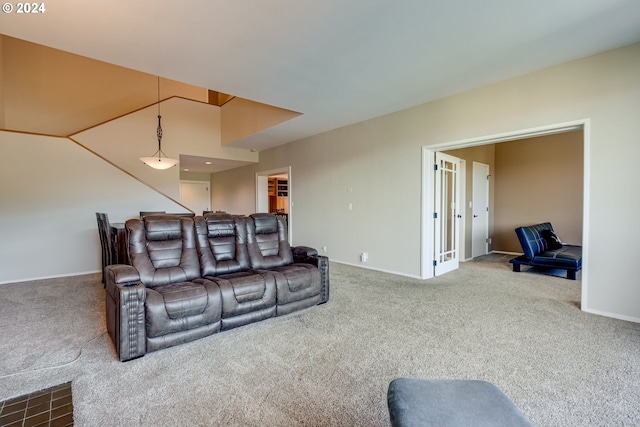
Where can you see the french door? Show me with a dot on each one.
(447, 214)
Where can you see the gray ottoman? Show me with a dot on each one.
(417, 402)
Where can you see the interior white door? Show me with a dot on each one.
(447, 214)
(480, 209)
(195, 195)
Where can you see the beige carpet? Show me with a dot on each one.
(330, 365)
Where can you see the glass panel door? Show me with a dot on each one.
(447, 214)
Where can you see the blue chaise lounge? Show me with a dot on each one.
(542, 248)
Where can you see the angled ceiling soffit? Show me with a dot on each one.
(242, 117)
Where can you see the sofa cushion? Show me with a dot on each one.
(246, 291)
(531, 238)
(222, 244)
(298, 285)
(265, 223)
(266, 234)
(247, 296)
(183, 299)
(162, 227)
(180, 307)
(165, 253)
(568, 256)
(162, 249)
(267, 241)
(299, 277)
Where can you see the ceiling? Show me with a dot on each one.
(337, 62)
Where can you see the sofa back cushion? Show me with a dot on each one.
(532, 240)
(267, 241)
(221, 240)
(162, 248)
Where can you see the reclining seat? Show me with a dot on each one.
(160, 300)
(299, 284)
(247, 295)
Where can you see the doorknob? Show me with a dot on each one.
(475, 216)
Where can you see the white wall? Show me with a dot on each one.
(47, 213)
(48, 209)
(525, 193)
(50, 191)
(188, 127)
(376, 165)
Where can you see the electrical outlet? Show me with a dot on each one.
(324, 249)
(364, 256)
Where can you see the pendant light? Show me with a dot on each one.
(159, 160)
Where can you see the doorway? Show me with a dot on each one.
(428, 157)
(273, 194)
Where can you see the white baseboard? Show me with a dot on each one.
(377, 269)
(612, 315)
(31, 279)
(507, 253)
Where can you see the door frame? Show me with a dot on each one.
(426, 264)
(262, 194)
(462, 244)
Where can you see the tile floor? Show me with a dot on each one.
(50, 407)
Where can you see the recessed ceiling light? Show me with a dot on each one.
(186, 169)
(207, 163)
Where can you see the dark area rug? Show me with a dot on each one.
(52, 406)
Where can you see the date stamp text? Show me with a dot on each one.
(24, 8)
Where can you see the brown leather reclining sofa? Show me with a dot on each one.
(193, 277)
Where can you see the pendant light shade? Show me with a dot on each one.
(159, 160)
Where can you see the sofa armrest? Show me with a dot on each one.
(323, 266)
(307, 255)
(303, 252)
(118, 276)
(125, 300)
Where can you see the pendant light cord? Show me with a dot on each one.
(159, 131)
(159, 159)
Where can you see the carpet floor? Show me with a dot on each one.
(331, 365)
